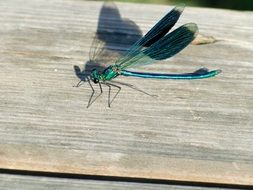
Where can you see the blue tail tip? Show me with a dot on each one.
(218, 71)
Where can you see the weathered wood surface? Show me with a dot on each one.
(10, 182)
(193, 131)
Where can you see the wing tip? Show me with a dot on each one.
(180, 8)
(193, 28)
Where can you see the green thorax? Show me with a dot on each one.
(109, 73)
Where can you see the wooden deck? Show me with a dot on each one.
(194, 131)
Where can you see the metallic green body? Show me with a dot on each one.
(109, 73)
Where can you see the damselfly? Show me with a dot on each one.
(156, 45)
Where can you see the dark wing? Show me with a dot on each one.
(162, 27)
(155, 34)
(164, 48)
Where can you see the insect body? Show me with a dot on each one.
(156, 45)
(108, 74)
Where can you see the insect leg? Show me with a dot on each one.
(78, 84)
(135, 88)
(109, 93)
(93, 91)
(101, 90)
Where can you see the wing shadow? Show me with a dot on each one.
(113, 36)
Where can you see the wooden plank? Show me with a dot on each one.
(193, 131)
(9, 182)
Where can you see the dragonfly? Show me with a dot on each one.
(158, 44)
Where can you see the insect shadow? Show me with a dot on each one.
(113, 36)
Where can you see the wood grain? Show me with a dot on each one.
(193, 131)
